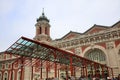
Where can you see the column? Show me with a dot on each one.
(12, 72)
(102, 72)
(85, 68)
(22, 70)
(58, 73)
(74, 71)
(46, 69)
(95, 70)
(108, 71)
(112, 72)
(55, 67)
(32, 72)
(82, 71)
(66, 72)
(71, 67)
(40, 69)
(91, 71)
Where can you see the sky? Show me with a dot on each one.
(18, 17)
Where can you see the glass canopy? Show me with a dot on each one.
(25, 47)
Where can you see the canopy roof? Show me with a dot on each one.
(25, 47)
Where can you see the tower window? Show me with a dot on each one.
(40, 30)
(46, 31)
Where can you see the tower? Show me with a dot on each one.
(42, 29)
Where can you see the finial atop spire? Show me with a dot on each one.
(43, 17)
(43, 12)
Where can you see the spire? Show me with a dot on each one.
(42, 17)
(43, 12)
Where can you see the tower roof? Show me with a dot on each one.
(43, 17)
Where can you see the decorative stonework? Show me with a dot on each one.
(78, 51)
(103, 36)
(42, 37)
(110, 45)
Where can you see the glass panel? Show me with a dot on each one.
(14, 46)
(95, 55)
(9, 49)
(13, 51)
(20, 41)
(24, 42)
(28, 43)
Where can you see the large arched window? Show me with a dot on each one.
(96, 55)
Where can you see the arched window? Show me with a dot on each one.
(46, 31)
(40, 30)
(96, 55)
(5, 76)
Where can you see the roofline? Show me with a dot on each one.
(115, 24)
(69, 33)
(2, 52)
(96, 26)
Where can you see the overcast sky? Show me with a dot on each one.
(18, 17)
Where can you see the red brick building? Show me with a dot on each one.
(100, 44)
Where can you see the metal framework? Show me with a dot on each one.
(27, 48)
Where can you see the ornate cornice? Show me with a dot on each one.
(102, 36)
